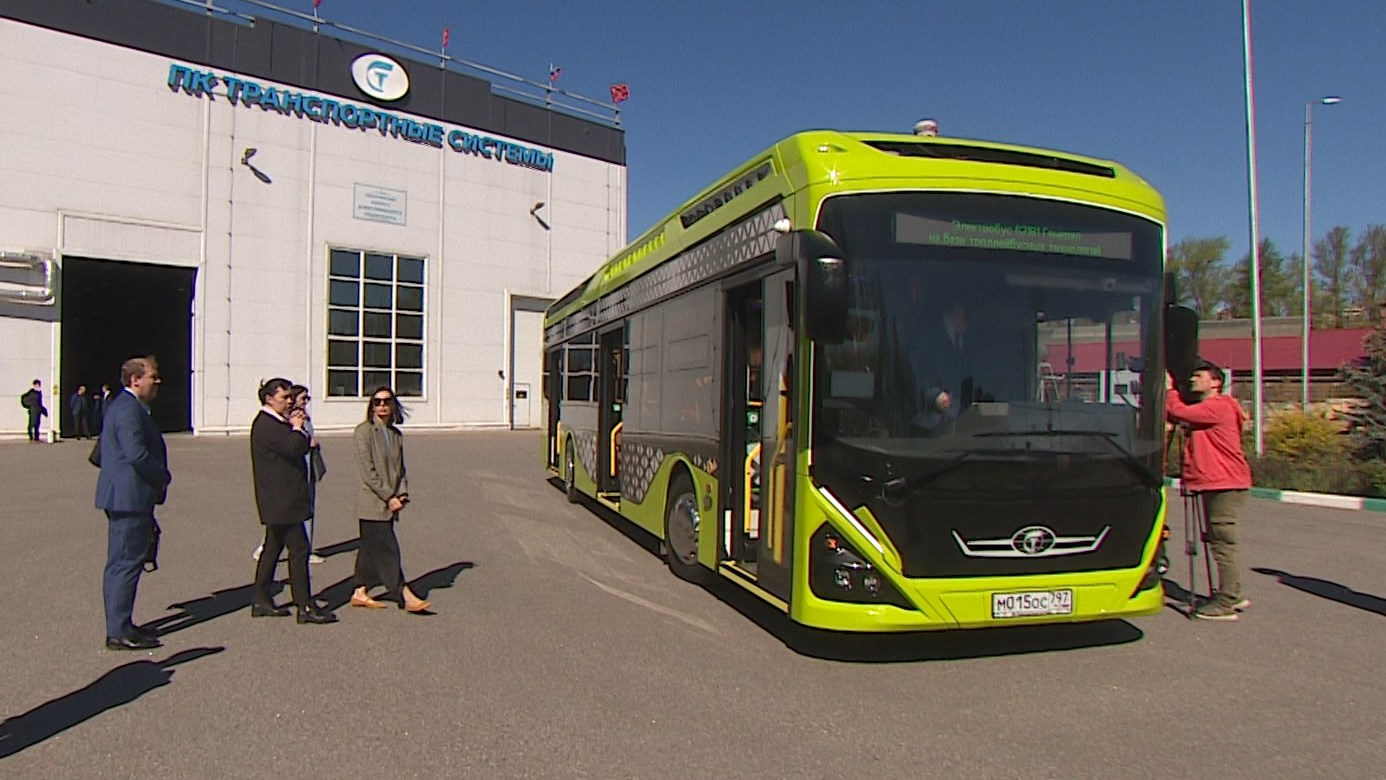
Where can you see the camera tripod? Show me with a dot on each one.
(1196, 535)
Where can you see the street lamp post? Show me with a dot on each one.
(1255, 256)
(1308, 235)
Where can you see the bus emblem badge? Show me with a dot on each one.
(1033, 540)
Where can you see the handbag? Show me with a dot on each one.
(151, 553)
(94, 457)
(317, 467)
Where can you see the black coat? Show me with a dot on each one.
(280, 470)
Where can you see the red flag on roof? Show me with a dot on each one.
(447, 33)
(554, 72)
(316, 3)
(620, 93)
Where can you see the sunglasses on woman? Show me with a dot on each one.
(379, 401)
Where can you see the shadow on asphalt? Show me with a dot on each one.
(1179, 599)
(334, 596)
(1328, 590)
(340, 548)
(338, 594)
(196, 611)
(887, 648)
(117, 687)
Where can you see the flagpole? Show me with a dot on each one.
(1255, 256)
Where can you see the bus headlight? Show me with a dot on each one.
(838, 573)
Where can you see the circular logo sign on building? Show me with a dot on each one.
(380, 77)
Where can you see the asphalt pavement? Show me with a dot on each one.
(562, 647)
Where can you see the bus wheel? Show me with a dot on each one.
(681, 521)
(570, 474)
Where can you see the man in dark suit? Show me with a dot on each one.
(32, 401)
(944, 369)
(80, 408)
(278, 446)
(134, 479)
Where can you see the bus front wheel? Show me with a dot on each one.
(681, 523)
(569, 474)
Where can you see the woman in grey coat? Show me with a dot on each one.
(383, 493)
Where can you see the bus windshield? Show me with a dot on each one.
(994, 344)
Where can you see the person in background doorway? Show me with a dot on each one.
(382, 495)
(278, 460)
(81, 421)
(134, 479)
(1215, 469)
(96, 407)
(32, 401)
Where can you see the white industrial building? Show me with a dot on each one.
(248, 198)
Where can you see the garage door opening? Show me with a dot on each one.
(114, 310)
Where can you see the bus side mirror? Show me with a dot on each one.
(823, 274)
(1181, 344)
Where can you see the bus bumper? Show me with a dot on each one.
(968, 603)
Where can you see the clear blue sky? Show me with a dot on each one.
(1156, 85)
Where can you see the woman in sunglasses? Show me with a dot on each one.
(383, 494)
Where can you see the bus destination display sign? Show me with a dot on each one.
(928, 231)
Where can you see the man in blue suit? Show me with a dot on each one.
(134, 479)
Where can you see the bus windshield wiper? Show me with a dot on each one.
(1149, 478)
(894, 486)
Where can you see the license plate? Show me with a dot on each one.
(1030, 603)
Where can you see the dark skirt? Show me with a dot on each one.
(377, 557)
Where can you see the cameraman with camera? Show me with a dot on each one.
(1216, 471)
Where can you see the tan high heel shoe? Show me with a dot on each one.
(367, 602)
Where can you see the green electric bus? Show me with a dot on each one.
(884, 382)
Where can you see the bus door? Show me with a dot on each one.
(553, 392)
(775, 554)
(611, 395)
(742, 407)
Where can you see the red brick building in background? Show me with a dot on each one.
(1228, 343)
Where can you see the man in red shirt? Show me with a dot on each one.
(1216, 470)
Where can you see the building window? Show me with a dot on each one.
(375, 323)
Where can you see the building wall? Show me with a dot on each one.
(110, 162)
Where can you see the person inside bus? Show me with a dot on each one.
(943, 368)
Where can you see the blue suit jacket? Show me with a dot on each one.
(134, 464)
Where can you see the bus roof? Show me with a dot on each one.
(843, 161)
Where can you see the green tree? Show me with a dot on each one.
(1331, 275)
(1294, 275)
(1367, 262)
(1277, 290)
(1200, 274)
(1366, 382)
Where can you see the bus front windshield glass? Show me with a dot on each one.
(991, 330)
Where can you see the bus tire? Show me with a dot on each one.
(681, 526)
(570, 473)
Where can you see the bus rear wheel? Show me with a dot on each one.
(681, 524)
(569, 474)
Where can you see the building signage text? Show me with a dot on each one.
(248, 93)
(379, 204)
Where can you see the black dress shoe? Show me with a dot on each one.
(315, 616)
(132, 642)
(268, 610)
